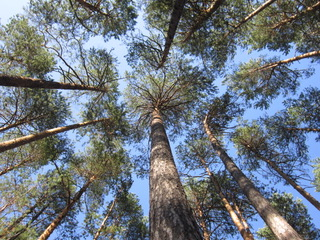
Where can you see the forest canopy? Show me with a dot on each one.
(214, 103)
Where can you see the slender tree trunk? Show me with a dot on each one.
(243, 220)
(18, 220)
(303, 129)
(275, 167)
(10, 168)
(273, 219)
(251, 15)
(54, 224)
(171, 217)
(174, 21)
(293, 17)
(10, 144)
(245, 232)
(20, 122)
(26, 227)
(201, 219)
(208, 13)
(289, 60)
(93, 8)
(96, 236)
(17, 81)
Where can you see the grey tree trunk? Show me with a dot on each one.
(278, 225)
(17, 81)
(171, 217)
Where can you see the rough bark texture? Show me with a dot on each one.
(17, 142)
(279, 226)
(174, 21)
(171, 218)
(54, 224)
(15, 81)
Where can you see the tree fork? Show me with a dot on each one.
(278, 225)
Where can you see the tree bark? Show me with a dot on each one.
(27, 82)
(293, 17)
(275, 167)
(20, 122)
(251, 15)
(208, 13)
(245, 232)
(289, 60)
(54, 224)
(17, 142)
(273, 219)
(96, 236)
(171, 217)
(10, 168)
(303, 129)
(174, 21)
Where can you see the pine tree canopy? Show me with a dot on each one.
(160, 119)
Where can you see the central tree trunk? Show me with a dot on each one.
(171, 218)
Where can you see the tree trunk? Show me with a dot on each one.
(208, 13)
(251, 15)
(293, 17)
(289, 60)
(275, 167)
(201, 220)
(10, 144)
(96, 236)
(303, 129)
(171, 217)
(174, 21)
(245, 232)
(16, 81)
(10, 168)
(20, 122)
(54, 224)
(273, 219)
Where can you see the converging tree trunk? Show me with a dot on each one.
(171, 217)
(295, 16)
(27, 82)
(174, 21)
(96, 236)
(244, 231)
(289, 60)
(54, 224)
(275, 167)
(204, 17)
(17, 142)
(273, 219)
(20, 122)
(251, 15)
